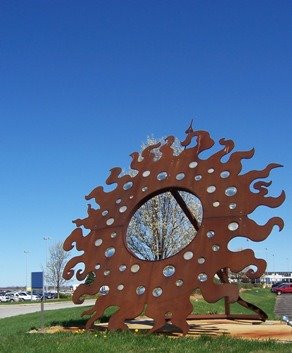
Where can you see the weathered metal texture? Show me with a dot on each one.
(135, 285)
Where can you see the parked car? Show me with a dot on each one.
(274, 289)
(47, 295)
(51, 295)
(276, 285)
(3, 297)
(11, 297)
(283, 281)
(38, 295)
(283, 288)
(24, 296)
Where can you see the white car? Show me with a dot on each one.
(3, 298)
(23, 296)
(11, 297)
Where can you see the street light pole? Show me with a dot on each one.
(267, 261)
(267, 268)
(26, 254)
(46, 265)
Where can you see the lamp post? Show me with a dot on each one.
(26, 254)
(267, 268)
(46, 265)
(267, 278)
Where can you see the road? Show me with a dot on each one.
(7, 310)
(284, 305)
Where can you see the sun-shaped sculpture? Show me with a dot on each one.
(162, 288)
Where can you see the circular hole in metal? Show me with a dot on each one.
(210, 234)
(120, 287)
(198, 177)
(146, 173)
(188, 255)
(202, 277)
(216, 204)
(162, 176)
(193, 165)
(122, 268)
(180, 176)
(211, 189)
(104, 290)
(163, 214)
(110, 252)
(179, 282)
(123, 209)
(231, 191)
(157, 292)
(135, 268)
(232, 206)
(225, 174)
(233, 226)
(201, 260)
(140, 290)
(215, 247)
(127, 185)
(98, 242)
(168, 271)
(110, 221)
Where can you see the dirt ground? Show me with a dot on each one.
(245, 329)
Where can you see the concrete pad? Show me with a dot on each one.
(244, 329)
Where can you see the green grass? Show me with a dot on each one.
(15, 337)
(262, 297)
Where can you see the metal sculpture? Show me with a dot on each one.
(162, 288)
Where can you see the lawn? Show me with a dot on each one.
(15, 336)
(262, 297)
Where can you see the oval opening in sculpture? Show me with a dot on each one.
(162, 226)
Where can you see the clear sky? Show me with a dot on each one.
(83, 83)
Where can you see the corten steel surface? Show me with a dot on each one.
(132, 284)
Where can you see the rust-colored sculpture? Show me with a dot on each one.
(163, 288)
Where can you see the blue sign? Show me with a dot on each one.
(37, 280)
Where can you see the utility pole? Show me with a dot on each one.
(26, 254)
(46, 264)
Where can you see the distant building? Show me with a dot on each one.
(272, 277)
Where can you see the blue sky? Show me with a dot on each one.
(83, 83)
